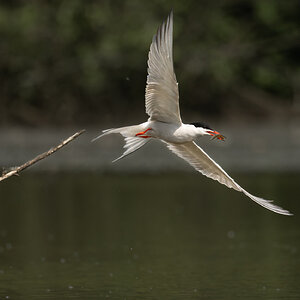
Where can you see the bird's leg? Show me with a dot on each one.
(140, 134)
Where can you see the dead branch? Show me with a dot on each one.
(19, 169)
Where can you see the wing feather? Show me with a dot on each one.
(196, 157)
(162, 96)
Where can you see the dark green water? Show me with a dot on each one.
(90, 236)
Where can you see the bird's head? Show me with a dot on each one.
(204, 129)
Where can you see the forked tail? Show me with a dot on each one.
(108, 131)
(132, 142)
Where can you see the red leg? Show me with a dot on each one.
(143, 132)
(145, 136)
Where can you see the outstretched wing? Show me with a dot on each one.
(162, 97)
(196, 157)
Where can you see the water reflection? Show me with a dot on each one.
(176, 236)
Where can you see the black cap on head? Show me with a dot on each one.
(200, 124)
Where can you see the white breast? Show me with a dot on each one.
(173, 133)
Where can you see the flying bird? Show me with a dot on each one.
(164, 122)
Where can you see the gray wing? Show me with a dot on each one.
(162, 97)
(196, 157)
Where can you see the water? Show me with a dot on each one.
(180, 236)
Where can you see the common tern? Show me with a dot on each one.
(164, 122)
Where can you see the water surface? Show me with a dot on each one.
(180, 236)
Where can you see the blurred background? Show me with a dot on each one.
(66, 63)
(74, 64)
(77, 226)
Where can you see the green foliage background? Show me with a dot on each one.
(84, 62)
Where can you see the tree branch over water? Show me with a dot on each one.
(17, 170)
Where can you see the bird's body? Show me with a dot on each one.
(167, 132)
(164, 123)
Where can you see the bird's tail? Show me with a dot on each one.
(126, 131)
(132, 142)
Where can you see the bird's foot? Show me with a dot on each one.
(141, 134)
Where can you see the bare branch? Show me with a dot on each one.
(19, 169)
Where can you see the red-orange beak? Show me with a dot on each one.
(216, 135)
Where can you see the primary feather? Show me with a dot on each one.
(162, 97)
(196, 157)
